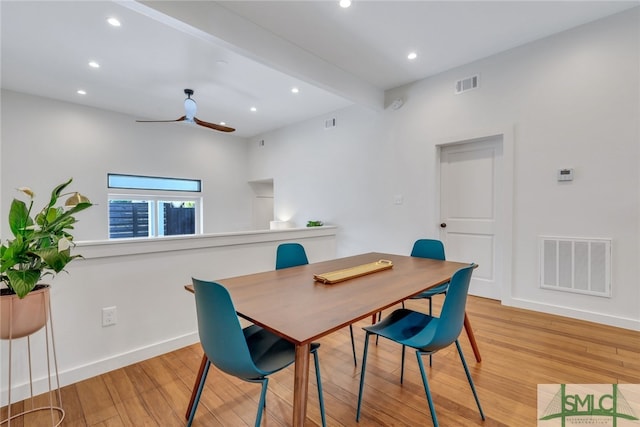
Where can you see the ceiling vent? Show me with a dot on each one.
(468, 83)
(330, 123)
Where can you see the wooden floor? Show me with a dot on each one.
(520, 349)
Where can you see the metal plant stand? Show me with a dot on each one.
(55, 398)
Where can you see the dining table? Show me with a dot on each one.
(296, 304)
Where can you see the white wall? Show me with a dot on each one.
(571, 100)
(329, 175)
(44, 142)
(145, 280)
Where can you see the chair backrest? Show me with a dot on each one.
(443, 331)
(290, 255)
(428, 248)
(220, 331)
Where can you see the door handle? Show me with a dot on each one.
(443, 225)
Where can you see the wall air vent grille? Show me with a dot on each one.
(576, 265)
(466, 84)
(330, 123)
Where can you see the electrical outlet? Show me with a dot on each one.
(109, 316)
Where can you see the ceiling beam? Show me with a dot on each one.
(211, 22)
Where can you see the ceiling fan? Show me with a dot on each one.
(190, 109)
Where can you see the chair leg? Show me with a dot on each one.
(203, 364)
(262, 403)
(319, 381)
(205, 371)
(430, 314)
(402, 366)
(426, 390)
(353, 346)
(364, 365)
(466, 370)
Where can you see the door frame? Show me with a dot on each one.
(505, 227)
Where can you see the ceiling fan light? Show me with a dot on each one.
(190, 109)
(190, 116)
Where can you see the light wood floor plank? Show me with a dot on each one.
(520, 349)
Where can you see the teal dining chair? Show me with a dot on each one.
(251, 354)
(290, 255)
(432, 249)
(426, 334)
(293, 255)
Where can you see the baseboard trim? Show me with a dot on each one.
(79, 373)
(605, 319)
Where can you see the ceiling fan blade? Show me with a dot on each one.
(213, 125)
(162, 121)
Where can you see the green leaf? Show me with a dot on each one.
(52, 214)
(79, 207)
(54, 259)
(19, 217)
(55, 193)
(8, 258)
(16, 252)
(23, 281)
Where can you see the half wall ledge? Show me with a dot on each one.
(123, 247)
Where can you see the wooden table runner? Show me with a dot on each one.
(351, 272)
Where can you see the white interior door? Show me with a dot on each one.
(470, 198)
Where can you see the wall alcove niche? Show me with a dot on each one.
(262, 205)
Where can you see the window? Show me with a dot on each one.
(153, 183)
(149, 215)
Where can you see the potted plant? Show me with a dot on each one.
(41, 247)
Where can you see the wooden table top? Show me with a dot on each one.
(291, 304)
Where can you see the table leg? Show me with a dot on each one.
(203, 364)
(301, 384)
(472, 337)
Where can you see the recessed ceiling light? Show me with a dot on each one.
(254, 109)
(223, 123)
(114, 22)
(412, 55)
(81, 92)
(94, 64)
(295, 90)
(345, 3)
